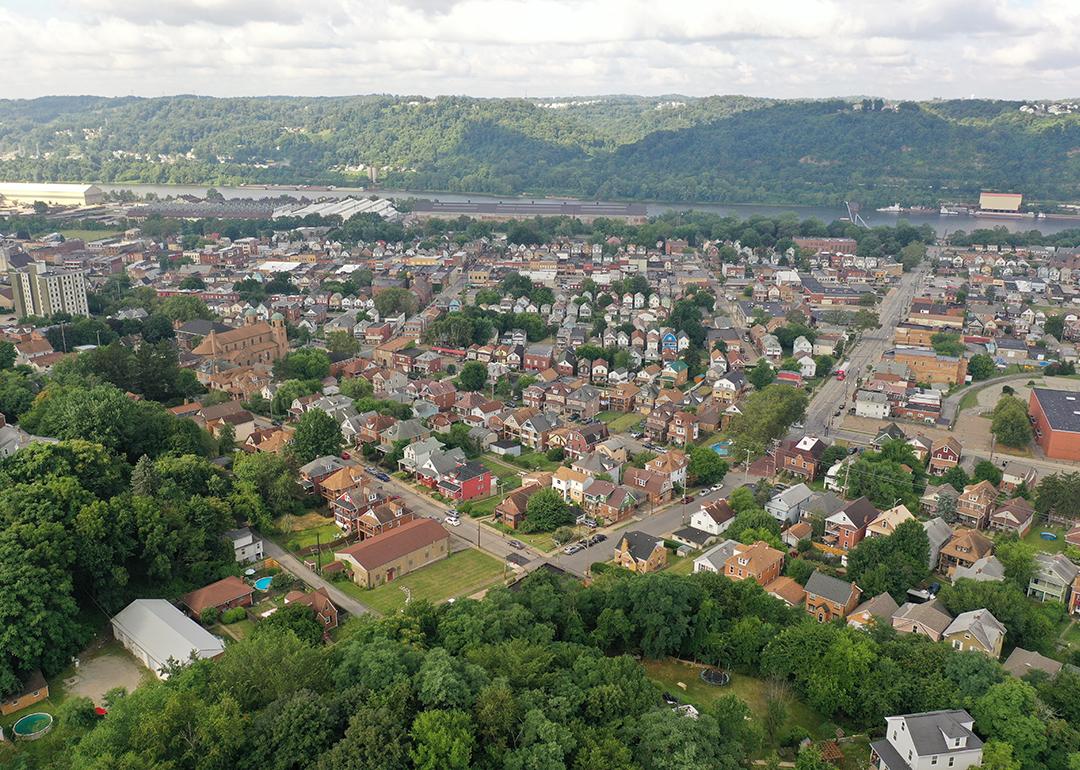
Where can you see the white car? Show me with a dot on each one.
(453, 520)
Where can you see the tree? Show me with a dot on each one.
(981, 367)
(342, 343)
(986, 470)
(185, 308)
(356, 387)
(912, 255)
(545, 511)
(956, 477)
(394, 301)
(1055, 326)
(144, 478)
(317, 435)
(17, 391)
(304, 364)
(894, 563)
(706, 467)
(443, 740)
(7, 355)
(761, 374)
(296, 618)
(226, 439)
(473, 376)
(1010, 423)
(288, 392)
(766, 415)
(193, 282)
(946, 344)
(866, 319)
(1007, 712)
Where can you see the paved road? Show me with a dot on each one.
(296, 567)
(662, 522)
(834, 394)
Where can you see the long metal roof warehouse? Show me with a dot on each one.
(54, 194)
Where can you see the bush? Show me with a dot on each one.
(600, 567)
(674, 545)
(556, 454)
(794, 736)
(209, 616)
(562, 535)
(283, 581)
(234, 615)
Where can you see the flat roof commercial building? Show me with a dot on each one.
(499, 211)
(157, 633)
(1057, 422)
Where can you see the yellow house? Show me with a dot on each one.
(977, 630)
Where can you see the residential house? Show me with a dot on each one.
(787, 507)
(936, 499)
(220, 595)
(402, 550)
(378, 517)
(978, 631)
(828, 597)
(929, 619)
(988, 569)
(1015, 515)
(758, 562)
(939, 534)
(326, 612)
(511, 509)
(640, 552)
(713, 517)
(1016, 474)
(975, 504)
(965, 548)
(467, 480)
(786, 590)
(846, 528)
(873, 404)
(246, 546)
(801, 458)
(32, 689)
(936, 739)
(673, 464)
(715, 559)
(796, 533)
(313, 473)
(570, 484)
(608, 501)
(656, 486)
(944, 454)
(880, 609)
(886, 522)
(1022, 662)
(1053, 578)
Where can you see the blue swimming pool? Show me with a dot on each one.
(1048, 536)
(263, 584)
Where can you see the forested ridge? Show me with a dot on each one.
(727, 149)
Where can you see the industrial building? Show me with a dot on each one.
(346, 208)
(501, 211)
(1000, 203)
(28, 193)
(42, 291)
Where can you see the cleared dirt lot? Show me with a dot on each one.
(109, 667)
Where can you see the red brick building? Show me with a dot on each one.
(1057, 422)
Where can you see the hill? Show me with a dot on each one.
(673, 148)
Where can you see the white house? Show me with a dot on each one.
(935, 740)
(789, 504)
(870, 403)
(713, 517)
(246, 547)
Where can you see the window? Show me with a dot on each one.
(933, 760)
(952, 761)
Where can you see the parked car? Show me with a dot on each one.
(516, 544)
(453, 520)
(381, 476)
(344, 455)
(573, 548)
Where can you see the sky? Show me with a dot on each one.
(915, 49)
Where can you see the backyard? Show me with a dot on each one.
(620, 422)
(462, 574)
(750, 690)
(1034, 537)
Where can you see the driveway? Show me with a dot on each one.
(297, 568)
(104, 669)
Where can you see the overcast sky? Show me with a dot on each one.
(780, 48)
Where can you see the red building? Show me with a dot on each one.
(1056, 416)
(467, 481)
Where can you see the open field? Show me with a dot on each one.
(323, 533)
(462, 574)
(500, 467)
(88, 235)
(539, 540)
(752, 691)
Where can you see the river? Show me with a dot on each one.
(942, 225)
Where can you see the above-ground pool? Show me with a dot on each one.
(263, 583)
(32, 726)
(1048, 536)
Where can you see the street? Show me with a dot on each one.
(835, 394)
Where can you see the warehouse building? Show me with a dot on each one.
(1000, 203)
(28, 193)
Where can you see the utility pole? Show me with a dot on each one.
(746, 468)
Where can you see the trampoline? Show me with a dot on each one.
(715, 676)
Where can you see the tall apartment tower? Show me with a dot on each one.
(42, 291)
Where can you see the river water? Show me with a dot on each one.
(942, 225)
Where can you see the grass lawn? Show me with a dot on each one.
(89, 235)
(1050, 546)
(1071, 637)
(535, 461)
(500, 468)
(752, 691)
(305, 521)
(324, 533)
(620, 422)
(241, 629)
(539, 540)
(486, 507)
(680, 565)
(462, 574)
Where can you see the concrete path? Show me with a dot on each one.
(297, 568)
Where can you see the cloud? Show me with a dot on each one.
(781, 48)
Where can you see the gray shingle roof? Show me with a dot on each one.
(833, 589)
